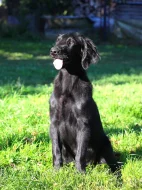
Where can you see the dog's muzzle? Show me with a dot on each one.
(60, 56)
(54, 52)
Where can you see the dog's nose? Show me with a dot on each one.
(54, 51)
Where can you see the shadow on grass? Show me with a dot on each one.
(40, 72)
(27, 72)
(118, 131)
(28, 63)
(33, 48)
(124, 155)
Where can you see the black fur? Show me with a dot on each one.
(76, 130)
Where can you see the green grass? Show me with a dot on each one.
(26, 82)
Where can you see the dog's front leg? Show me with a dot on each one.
(82, 144)
(56, 147)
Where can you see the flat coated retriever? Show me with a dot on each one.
(76, 129)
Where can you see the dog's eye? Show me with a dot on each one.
(70, 41)
(59, 37)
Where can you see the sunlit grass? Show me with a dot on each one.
(26, 83)
(21, 56)
(15, 55)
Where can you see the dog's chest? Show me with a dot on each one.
(67, 118)
(65, 107)
(69, 93)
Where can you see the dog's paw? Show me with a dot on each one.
(57, 167)
(80, 168)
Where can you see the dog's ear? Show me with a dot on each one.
(89, 53)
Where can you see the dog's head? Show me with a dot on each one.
(74, 49)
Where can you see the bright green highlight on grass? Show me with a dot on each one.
(26, 83)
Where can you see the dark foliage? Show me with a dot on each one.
(40, 7)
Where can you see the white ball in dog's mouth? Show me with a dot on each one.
(58, 63)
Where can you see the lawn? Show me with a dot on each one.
(26, 83)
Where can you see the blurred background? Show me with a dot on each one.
(105, 20)
(28, 29)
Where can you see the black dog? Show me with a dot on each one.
(76, 130)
